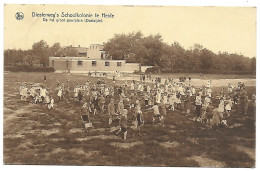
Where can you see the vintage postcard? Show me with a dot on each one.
(129, 86)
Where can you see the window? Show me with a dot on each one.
(119, 63)
(106, 63)
(94, 63)
(52, 63)
(80, 63)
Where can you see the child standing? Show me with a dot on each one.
(138, 120)
(188, 102)
(171, 102)
(193, 90)
(209, 84)
(111, 111)
(102, 103)
(209, 92)
(215, 118)
(146, 98)
(230, 88)
(156, 113)
(162, 108)
(206, 101)
(95, 104)
(123, 124)
(51, 104)
(67, 93)
(158, 97)
(198, 105)
(228, 106)
(120, 108)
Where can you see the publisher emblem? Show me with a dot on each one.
(19, 16)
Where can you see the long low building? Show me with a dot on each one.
(85, 65)
(94, 60)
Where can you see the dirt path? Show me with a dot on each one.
(207, 162)
(249, 151)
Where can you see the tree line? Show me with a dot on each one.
(147, 50)
(151, 50)
(38, 55)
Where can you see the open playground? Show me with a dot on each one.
(33, 134)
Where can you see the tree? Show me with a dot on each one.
(135, 47)
(41, 51)
(29, 59)
(56, 50)
(206, 59)
(153, 51)
(253, 64)
(69, 51)
(122, 46)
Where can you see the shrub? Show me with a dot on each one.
(28, 68)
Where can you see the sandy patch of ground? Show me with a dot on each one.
(235, 125)
(79, 151)
(102, 129)
(13, 136)
(7, 110)
(50, 131)
(25, 145)
(91, 153)
(58, 150)
(207, 162)
(14, 114)
(209, 139)
(56, 124)
(245, 117)
(172, 131)
(126, 145)
(57, 139)
(22, 133)
(244, 139)
(249, 151)
(193, 140)
(76, 130)
(171, 126)
(10, 95)
(103, 137)
(169, 144)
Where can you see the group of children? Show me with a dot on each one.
(36, 94)
(125, 104)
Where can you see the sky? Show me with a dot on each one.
(225, 29)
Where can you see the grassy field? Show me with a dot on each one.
(203, 76)
(35, 135)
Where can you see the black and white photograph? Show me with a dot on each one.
(129, 85)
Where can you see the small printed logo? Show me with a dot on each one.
(19, 16)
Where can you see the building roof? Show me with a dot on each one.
(74, 58)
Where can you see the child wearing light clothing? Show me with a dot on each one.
(51, 104)
(228, 106)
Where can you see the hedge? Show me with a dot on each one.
(26, 68)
